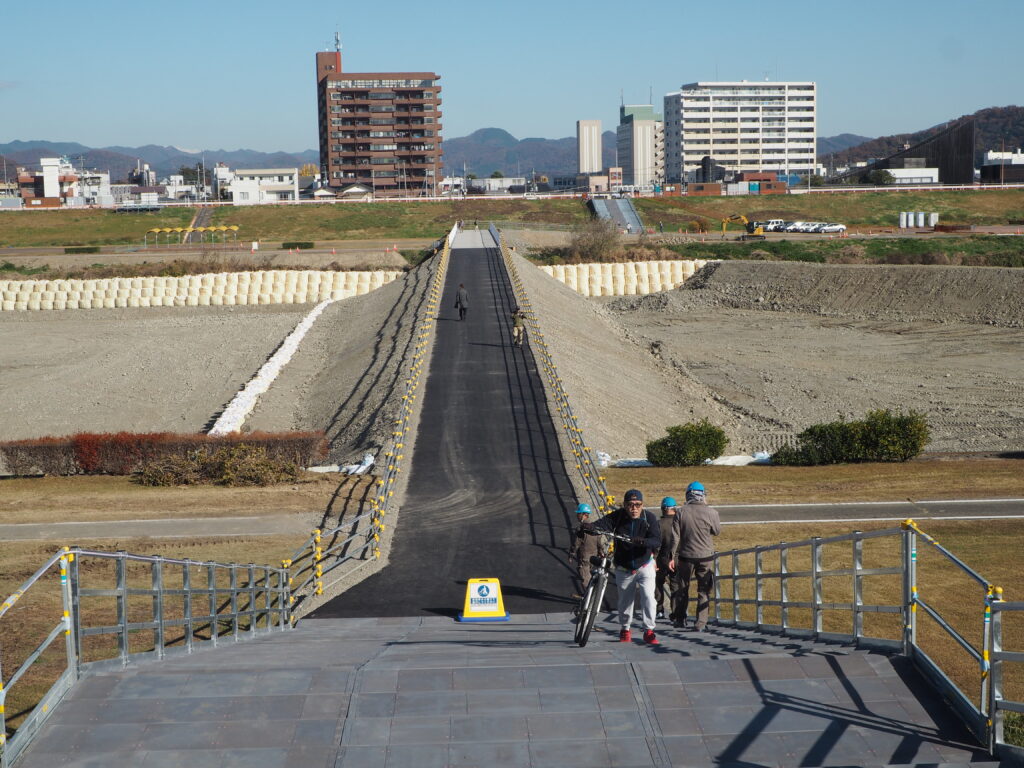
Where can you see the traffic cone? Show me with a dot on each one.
(333, 253)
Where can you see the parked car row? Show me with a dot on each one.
(819, 227)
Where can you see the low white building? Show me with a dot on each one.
(914, 175)
(494, 186)
(258, 186)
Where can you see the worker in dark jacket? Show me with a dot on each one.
(634, 561)
(664, 576)
(462, 301)
(583, 547)
(692, 542)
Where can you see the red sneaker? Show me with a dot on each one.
(650, 638)
(625, 636)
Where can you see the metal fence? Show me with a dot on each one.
(330, 555)
(115, 608)
(587, 472)
(823, 589)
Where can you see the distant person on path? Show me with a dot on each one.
(664, 575)
(634, 561)
(693, 546)
(518, 326)
(583, 547)
(462, 301)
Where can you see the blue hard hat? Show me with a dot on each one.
(583, 509)
(668, 501)
(695, 486)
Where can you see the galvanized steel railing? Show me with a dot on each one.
(159, 607)
(755, 591)
(590, 477)
(331, 555)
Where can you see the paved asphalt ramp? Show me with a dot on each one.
(488, 495)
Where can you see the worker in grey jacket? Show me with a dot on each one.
(664, 581)
(693, 534)
(462, 301)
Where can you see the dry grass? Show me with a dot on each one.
(102, 498)
(918, 480)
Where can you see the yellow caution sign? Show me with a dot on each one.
(483, 601)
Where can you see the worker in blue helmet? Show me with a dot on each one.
(583, 547)
(665, 577)
(693, 548)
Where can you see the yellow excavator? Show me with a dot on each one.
(754, 231)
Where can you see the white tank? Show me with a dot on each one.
(920, 218)
(933, 219)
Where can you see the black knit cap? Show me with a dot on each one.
(633, 495)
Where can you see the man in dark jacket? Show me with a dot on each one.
(462, 301)
(694, 548)
(665, 576)
(634, 561)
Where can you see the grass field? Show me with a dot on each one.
(347, 221)
(917, 480)
(856, 209)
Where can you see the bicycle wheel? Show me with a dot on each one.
(580, 609)
(593, 608)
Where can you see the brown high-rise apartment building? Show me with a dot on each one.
(381, 130)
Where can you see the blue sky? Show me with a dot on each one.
(229, 74)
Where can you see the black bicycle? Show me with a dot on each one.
(593, 596)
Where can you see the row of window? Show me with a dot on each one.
(379, 83)
(381, 134)
(381, 95)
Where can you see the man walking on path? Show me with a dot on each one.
(664, 575)
(692, 542)
(634, 561)
(583, 547)
(462, 301)
(518, 328)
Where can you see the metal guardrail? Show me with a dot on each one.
(805, 617)
(160, 607)
(590, 477)
(316, 566)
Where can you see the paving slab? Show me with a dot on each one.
(524, 695)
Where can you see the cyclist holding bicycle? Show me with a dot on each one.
(634, 560)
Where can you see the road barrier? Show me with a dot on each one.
(280, 286)
(797, 589)
(588, 477)
(115, 609)
(334, 554)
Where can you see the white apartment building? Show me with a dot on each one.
(640, 145)
(744, 126)
(256, 186)
(588, 146)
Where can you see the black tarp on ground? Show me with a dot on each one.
(488, 495)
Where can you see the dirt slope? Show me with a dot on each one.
(766, 349)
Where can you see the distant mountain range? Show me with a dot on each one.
(995, 128)
(484, 151)
(164, 160)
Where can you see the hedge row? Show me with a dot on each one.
(687, 445)
(881, 436)
(122, 453)
(299, 245)
(82, 249)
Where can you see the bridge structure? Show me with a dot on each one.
(384, 675)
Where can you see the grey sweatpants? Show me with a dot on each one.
(629, 583)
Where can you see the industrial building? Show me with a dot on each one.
(640, 146)
(378, 130)
(742, 126)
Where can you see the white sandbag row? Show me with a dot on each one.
(241, 405)
(283, 286)
(625, 279)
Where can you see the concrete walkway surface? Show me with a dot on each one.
(427, 691)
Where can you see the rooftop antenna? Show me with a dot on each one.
(622, 98)
(650, 95)
(337, 41)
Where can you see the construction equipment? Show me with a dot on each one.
(754, 231)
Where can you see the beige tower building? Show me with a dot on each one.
(588, 146)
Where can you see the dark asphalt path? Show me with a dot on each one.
(488, 495)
